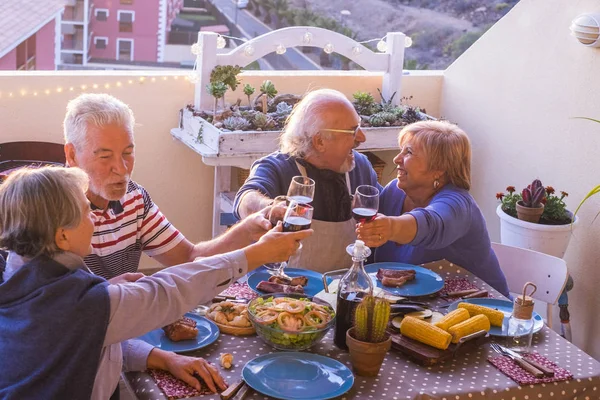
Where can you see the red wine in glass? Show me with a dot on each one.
(295, 224)
(361, 214)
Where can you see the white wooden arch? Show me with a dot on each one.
(390, 62)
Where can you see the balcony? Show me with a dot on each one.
(73, 40)
(514, 92)
(74, 12)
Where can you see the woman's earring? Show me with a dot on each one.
(436, 184)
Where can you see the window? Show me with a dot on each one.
(101, 42)
(26, 55)
(125, 49)
(101, 14)
(126, 19)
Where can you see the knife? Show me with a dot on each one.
(545, 370)
(244, 390)
(232, 390)
(522, 363)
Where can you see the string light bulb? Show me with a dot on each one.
(307, 38)
(280, 49)
(249, 50)
(328, 48)
(221, 43)
(59, 90)
(356, 50)
(408, 41)
(193, 78)
(95, 86)
(382, 46)
(196, 49)
(106, 86)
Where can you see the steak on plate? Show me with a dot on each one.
(182, 329)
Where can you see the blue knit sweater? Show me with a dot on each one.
(52, 327)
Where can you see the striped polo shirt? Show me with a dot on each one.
(125, 229)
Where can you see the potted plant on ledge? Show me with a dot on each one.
(368, 341)
(549, 232)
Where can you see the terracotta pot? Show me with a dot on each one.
(366, 357)
(529, 214)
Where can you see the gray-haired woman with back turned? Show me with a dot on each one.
(427, 213)
(60, 325)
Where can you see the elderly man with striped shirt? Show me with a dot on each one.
(99, 139)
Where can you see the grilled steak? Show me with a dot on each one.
(182, 329)
(271, 287)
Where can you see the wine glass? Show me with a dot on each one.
(301, 190)
(298, 217)
(365, 203)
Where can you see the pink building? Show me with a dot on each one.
(123, 30)
(30, 33)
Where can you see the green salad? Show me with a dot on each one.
(288, 323)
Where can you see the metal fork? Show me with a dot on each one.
(520, 361)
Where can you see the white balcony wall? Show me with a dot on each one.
(515, 92)
(175, 176)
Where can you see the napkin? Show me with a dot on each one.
(240, 291)
(175, 388)
(455, 285)
(522, 377)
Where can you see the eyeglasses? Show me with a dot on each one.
(353, 132)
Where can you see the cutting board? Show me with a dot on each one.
(426, 355)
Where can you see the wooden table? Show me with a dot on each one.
(469, 376)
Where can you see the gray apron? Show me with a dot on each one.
(325, 249)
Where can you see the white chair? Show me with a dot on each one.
(549, 273)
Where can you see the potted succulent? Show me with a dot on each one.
(368, 340)
(550, 233)
(530, 207)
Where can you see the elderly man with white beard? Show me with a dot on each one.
(318, 142)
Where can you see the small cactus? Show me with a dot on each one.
(236, 123)
(387, 116)
(371, 318)
(533, 194)
(376, 120)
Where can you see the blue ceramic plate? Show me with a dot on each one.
(506, 306)
(208, 332)
(314, 286)
(426, 281)
(298, 376)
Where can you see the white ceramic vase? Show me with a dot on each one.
(548, 239)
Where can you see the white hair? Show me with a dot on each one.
(305, 121)
(94, 109)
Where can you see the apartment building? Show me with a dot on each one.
(30, 34)
(121, 30)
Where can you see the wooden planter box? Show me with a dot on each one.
(216, 143)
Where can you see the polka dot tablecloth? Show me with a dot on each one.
(468, 376)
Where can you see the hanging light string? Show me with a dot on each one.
(84, 87)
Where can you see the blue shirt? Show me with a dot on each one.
(272, 174)
(451, 227)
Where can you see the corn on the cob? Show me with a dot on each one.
(452, 318)
(494, 316)
(424, 332)
(474, 324)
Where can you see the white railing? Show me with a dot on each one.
(389, 62)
